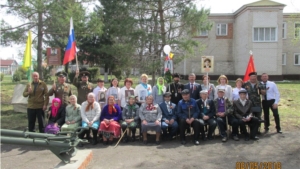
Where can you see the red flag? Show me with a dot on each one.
(250, 68)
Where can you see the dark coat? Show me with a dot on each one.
(173, 88)
(240, 111)
(195, 93)
(211, 110)
(183, 109)
(168, 115)
(60, 116)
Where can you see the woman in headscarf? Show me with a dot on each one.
(150, 115)
(223, 84)
(73, 116)
(90, 113)
(206, 85)
(130, 116)
(143, 89)
(158, 90)
(56, 117)
(110, 127)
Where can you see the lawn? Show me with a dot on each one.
(288, 107)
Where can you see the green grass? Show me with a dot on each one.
(288, 107)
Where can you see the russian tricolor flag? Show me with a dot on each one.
(71, 46)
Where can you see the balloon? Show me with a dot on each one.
(167, 49)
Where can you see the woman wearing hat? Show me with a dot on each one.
(158, 90)
(126, 91)
(210, 87)
(143, 89)
(130, 116)
(110, 116)
(238, 86)
(150, 114)
(223, 84)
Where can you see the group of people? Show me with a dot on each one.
(167, 109)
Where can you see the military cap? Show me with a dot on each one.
(185, 91)
(243, 91)
(100, 80)
(221, 90)
(203, 91)
(252, 73)
(84, 73)
(176, 75)
(61, 73)
(167, 94)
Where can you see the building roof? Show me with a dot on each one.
(6, 62)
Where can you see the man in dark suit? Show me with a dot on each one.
(175, 89)
(243, 115)
(207, 114)
(193, 87)
(168, 117)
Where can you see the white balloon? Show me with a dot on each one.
(167, 49)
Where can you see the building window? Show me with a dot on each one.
(284, 30)
(297, 30)
(222, 29)
(297, 58)
(203, 33)
(284, 59)
(264, 35)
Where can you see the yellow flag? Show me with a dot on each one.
(171, 55)
(27, 54)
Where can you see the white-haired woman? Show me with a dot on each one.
(90, 114)
(73, 115)
(143, 89)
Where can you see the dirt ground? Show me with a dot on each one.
(272, 147)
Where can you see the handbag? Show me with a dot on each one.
(256, 109)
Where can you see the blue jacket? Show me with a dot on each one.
(210, 108)
(195, 93)
(183, 109)
(168, 115)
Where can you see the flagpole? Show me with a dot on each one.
(76, 61)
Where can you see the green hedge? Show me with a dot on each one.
(1, 76)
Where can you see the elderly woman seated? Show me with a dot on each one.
(56, 117)
(90, 113)
(110, 127)
(130, 116)
(73, 116)
(150, 115)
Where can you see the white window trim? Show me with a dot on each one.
(284, 63)
(217, 29)
(298, 58)
(276, 35)
(285, 28)
(200, 31)
(295, 30)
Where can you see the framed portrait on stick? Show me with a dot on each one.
(142, 95)
(128, 93)
(207, 64)
(101, 97)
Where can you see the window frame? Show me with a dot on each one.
(283, 62)
(264, 29)
(284, 30)
(217, 32)
(201, 31)
(295, 30)
(298, 58)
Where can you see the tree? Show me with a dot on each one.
(50, 18)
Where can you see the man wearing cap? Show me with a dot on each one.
(223, 112)
(84, 87)
(193, 87)
(175, 88)
(271, 97)
(37, 93)
(188, 113)
(61, 90)
(100, 92)
(243, 116)
(168, 117)
(207, 114)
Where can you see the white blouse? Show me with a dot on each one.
(235, 93)
(228, 91)
(142, 95)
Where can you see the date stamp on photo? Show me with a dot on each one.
(258, 165)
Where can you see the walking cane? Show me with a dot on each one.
(226, 119)
(120, 138)
(190, 118)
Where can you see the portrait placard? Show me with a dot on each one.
(101, 96)
(142, 95)
(128, 93)
(114, 92)
(53, 56)
(207, 64)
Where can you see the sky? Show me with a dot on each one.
(216, 6)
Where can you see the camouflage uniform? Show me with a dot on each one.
(254, 95)
(83, 89)
(63, 91)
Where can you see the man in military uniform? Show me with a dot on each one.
(84, 87)
(253, 88)
(175, 89)
(61, 90)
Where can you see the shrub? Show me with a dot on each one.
(1, 76)
(20, 74)
(168, 77)
(94, 73)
